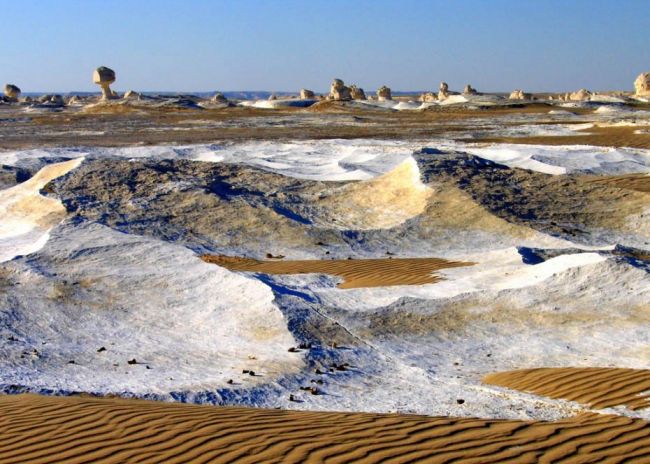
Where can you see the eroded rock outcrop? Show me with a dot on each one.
(130, 94)
(104, 77)
(428, 97)
(469, 90)
(12, 92)
(306, 94)
(49, 99)
(339, 91)
(357, 93)
(580, 95)
(519, 94)
(642, 85)
(384, 93)
(443, 91)
(218, 97)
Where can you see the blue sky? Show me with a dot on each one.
(201, 45)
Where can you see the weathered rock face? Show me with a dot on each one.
(131, 94)
(104, 77)
(306, 94)
(519, 94)
(428, 97)
(443, 91)
(12, 92)
(580, 95)
(469, 90)
(339, 92)
(641, 85)
(384, 93)
(219, 98)
(357, 93)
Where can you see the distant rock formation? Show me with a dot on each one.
(384, 93)
(519, 94)
(580, 95)
(443, 91)
(469, 90)
(357, 93)
(130, 94)
(55, 100)
(339, 92)
(104, 77)
(306, 94)
(218, 97)
(428, 97)
(273, 97)
(12, 92)
(641, 85)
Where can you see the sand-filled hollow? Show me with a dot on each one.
(593, 386)
(355, 273)
(40, 429)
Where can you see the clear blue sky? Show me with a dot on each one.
(202, 45)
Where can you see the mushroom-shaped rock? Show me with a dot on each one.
(219, 98)
(428, 97)
(357, 93)
(469, 90)
(384, 93)
(12, 92)
(104, 77)
(641, 85)
(443, 91)
(130, 94)
(580, 95)
(306, 94)
(338, 91)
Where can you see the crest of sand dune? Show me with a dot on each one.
(355, 273)
(39, 429)
(25, 211)
(594, 386)
(382, 202)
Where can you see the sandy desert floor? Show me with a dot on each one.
(344, 282)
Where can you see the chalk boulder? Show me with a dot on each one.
(519, 94)
(306, 94)
(132, 95)
(218, 97)
(443, 91)
(339, 91)
(104, 77)
(12, 92)
(469, 90)
(428, 97)
(641, 85)
(384, 93)
(54, 100)
(357, 93)
(580, 95)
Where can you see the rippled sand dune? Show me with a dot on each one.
(80, 430)
(354, 272)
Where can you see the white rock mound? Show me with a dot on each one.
(357, 93)
(443, 91)
(580, 95)
(104, 77)
(384, 93)
(519, 94)
(469, 90)
(306, 94)
(130, 94)
(219, 98)
(12, 92)
(339, 91)
(428, 97)
(641, 85)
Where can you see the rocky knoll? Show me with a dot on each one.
(642, 85)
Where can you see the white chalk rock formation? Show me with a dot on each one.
(12, 92)
(306, 94)
(357, 93)
(641, 85)
(519, 94)
(130, 94)
(384, 93)
(428, 97)
(51, 100)
(219, 98)
(104, 77)
(443, 91)
(469, 90)
(339, 91)
(580, 95)
(273, 97)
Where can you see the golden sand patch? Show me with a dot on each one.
(618, 136)
(594, 386)
(37, 429)
(354, 272)
(638, 182)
